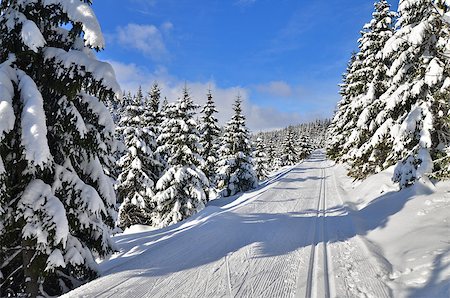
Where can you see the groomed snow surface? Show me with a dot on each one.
(307, 232)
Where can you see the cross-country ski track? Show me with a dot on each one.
(292, 237)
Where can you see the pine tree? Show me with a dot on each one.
(261, 161)
(210, 133)
(56, 139)
(363, 156)
(414, 109)
(139, 168)
(236, 173)
(153, 115)
(272, 156)
(289, 155)
(153, 119)
(338, 133)
(182, 188)
(305, 147)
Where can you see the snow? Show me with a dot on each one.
(34, 128)
(32, 36)
(80, 12)
(379, 242)
(44, 214)
(54, 260)
(7, 117)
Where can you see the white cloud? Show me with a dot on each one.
(131, 76)
(276, 88)
(148, 39)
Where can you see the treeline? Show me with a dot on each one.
(395, 95)
(170, 164)
(292, 144)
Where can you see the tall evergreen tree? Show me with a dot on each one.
(139, 168)
(416, 110)
(209, 136)
(182, 188)
(364, 157)
(236, 173)
(153, 114)
(56, 138)
(338, 134)
(289, 155)
(153, 119)
(272, 155)
(305, 147)
(261, 161)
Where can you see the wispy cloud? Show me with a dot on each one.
(276, 88)
(259, 118)
(147, 39)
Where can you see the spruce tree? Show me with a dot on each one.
(272, 155)
(56, 139)
(415, 109)
(182, 188)
(139, 168)
(289, 155)
(153, 114)
(260, 160)
(153, 119)
(305, 147)
(209, 136)
(236, 173)
(338, 134)
(362, 155)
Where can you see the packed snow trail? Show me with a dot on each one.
(290, 238)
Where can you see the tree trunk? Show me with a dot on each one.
(30, 270)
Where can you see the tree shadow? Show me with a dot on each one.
(436, 286)
(215, 234)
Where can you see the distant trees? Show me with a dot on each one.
(171, 165)
(399, 114)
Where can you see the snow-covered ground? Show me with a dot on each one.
(307, 232)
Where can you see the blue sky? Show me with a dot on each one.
(284, 57)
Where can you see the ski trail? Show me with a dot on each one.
(279, 243)
(315, 273)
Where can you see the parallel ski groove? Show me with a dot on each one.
(325, 239)
(311, 269)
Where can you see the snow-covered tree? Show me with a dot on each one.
(338, 135)
(260, 160)
(272, 155)
(153, 119)
(139, 167)
(289, 154)
(209, 136)
(56, 139)
(368, 106)
(153, 115)
(182, 188)
(416, 110)
(236, 173)
(304, 147)
(363, 81)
